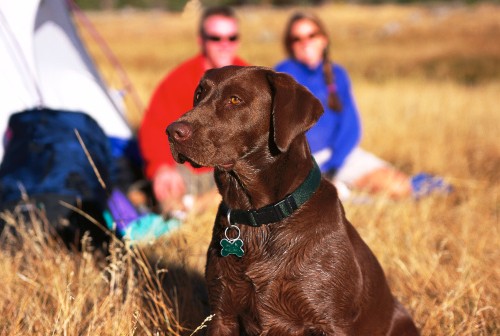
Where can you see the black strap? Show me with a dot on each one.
(276, 212)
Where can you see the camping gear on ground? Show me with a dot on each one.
(45, 160)
(136, 225)
(51, 87)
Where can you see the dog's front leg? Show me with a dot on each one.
(225, 321)
(223, 326)
(220, 295)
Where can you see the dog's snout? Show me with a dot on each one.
(179, 131)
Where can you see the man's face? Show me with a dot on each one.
(220, 41)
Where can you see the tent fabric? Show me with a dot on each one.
(44, 64)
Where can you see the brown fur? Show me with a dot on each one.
(309, 274)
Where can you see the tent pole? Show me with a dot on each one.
(128, 86)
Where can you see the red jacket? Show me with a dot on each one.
(172, 98)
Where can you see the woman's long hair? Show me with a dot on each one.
(333, 98)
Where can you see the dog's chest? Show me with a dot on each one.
(270, 297)
(261, 285)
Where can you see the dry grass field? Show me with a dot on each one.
(427, 83)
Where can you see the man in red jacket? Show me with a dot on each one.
(218, 38)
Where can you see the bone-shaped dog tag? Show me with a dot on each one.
(232, 245)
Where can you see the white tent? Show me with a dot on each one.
(43, 63)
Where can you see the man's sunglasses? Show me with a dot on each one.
(311, 36)
(215, 38)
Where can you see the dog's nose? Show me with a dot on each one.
(179, 131)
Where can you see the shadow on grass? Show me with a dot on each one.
(187, 291)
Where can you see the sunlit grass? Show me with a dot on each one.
(426, 81)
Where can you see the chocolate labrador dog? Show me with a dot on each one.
(283, 259)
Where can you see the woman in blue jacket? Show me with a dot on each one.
(335, 138)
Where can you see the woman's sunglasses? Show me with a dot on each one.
(215, 38)
(296, 39)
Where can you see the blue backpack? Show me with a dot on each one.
(43, 156)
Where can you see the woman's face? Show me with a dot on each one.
(308, 43)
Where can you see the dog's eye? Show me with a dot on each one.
(235, 100)
(197, 95)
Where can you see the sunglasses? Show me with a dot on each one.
(296, 39)
(215, 38)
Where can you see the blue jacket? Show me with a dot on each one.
(338, 132)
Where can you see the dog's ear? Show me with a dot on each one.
(294, 108)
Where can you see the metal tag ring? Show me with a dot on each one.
(232, 227)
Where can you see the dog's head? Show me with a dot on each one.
(241, 110)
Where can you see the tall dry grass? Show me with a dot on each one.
(426, 80)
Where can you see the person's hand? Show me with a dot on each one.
(169, 188)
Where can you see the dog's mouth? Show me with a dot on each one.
(224, 166)
(183, 159)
